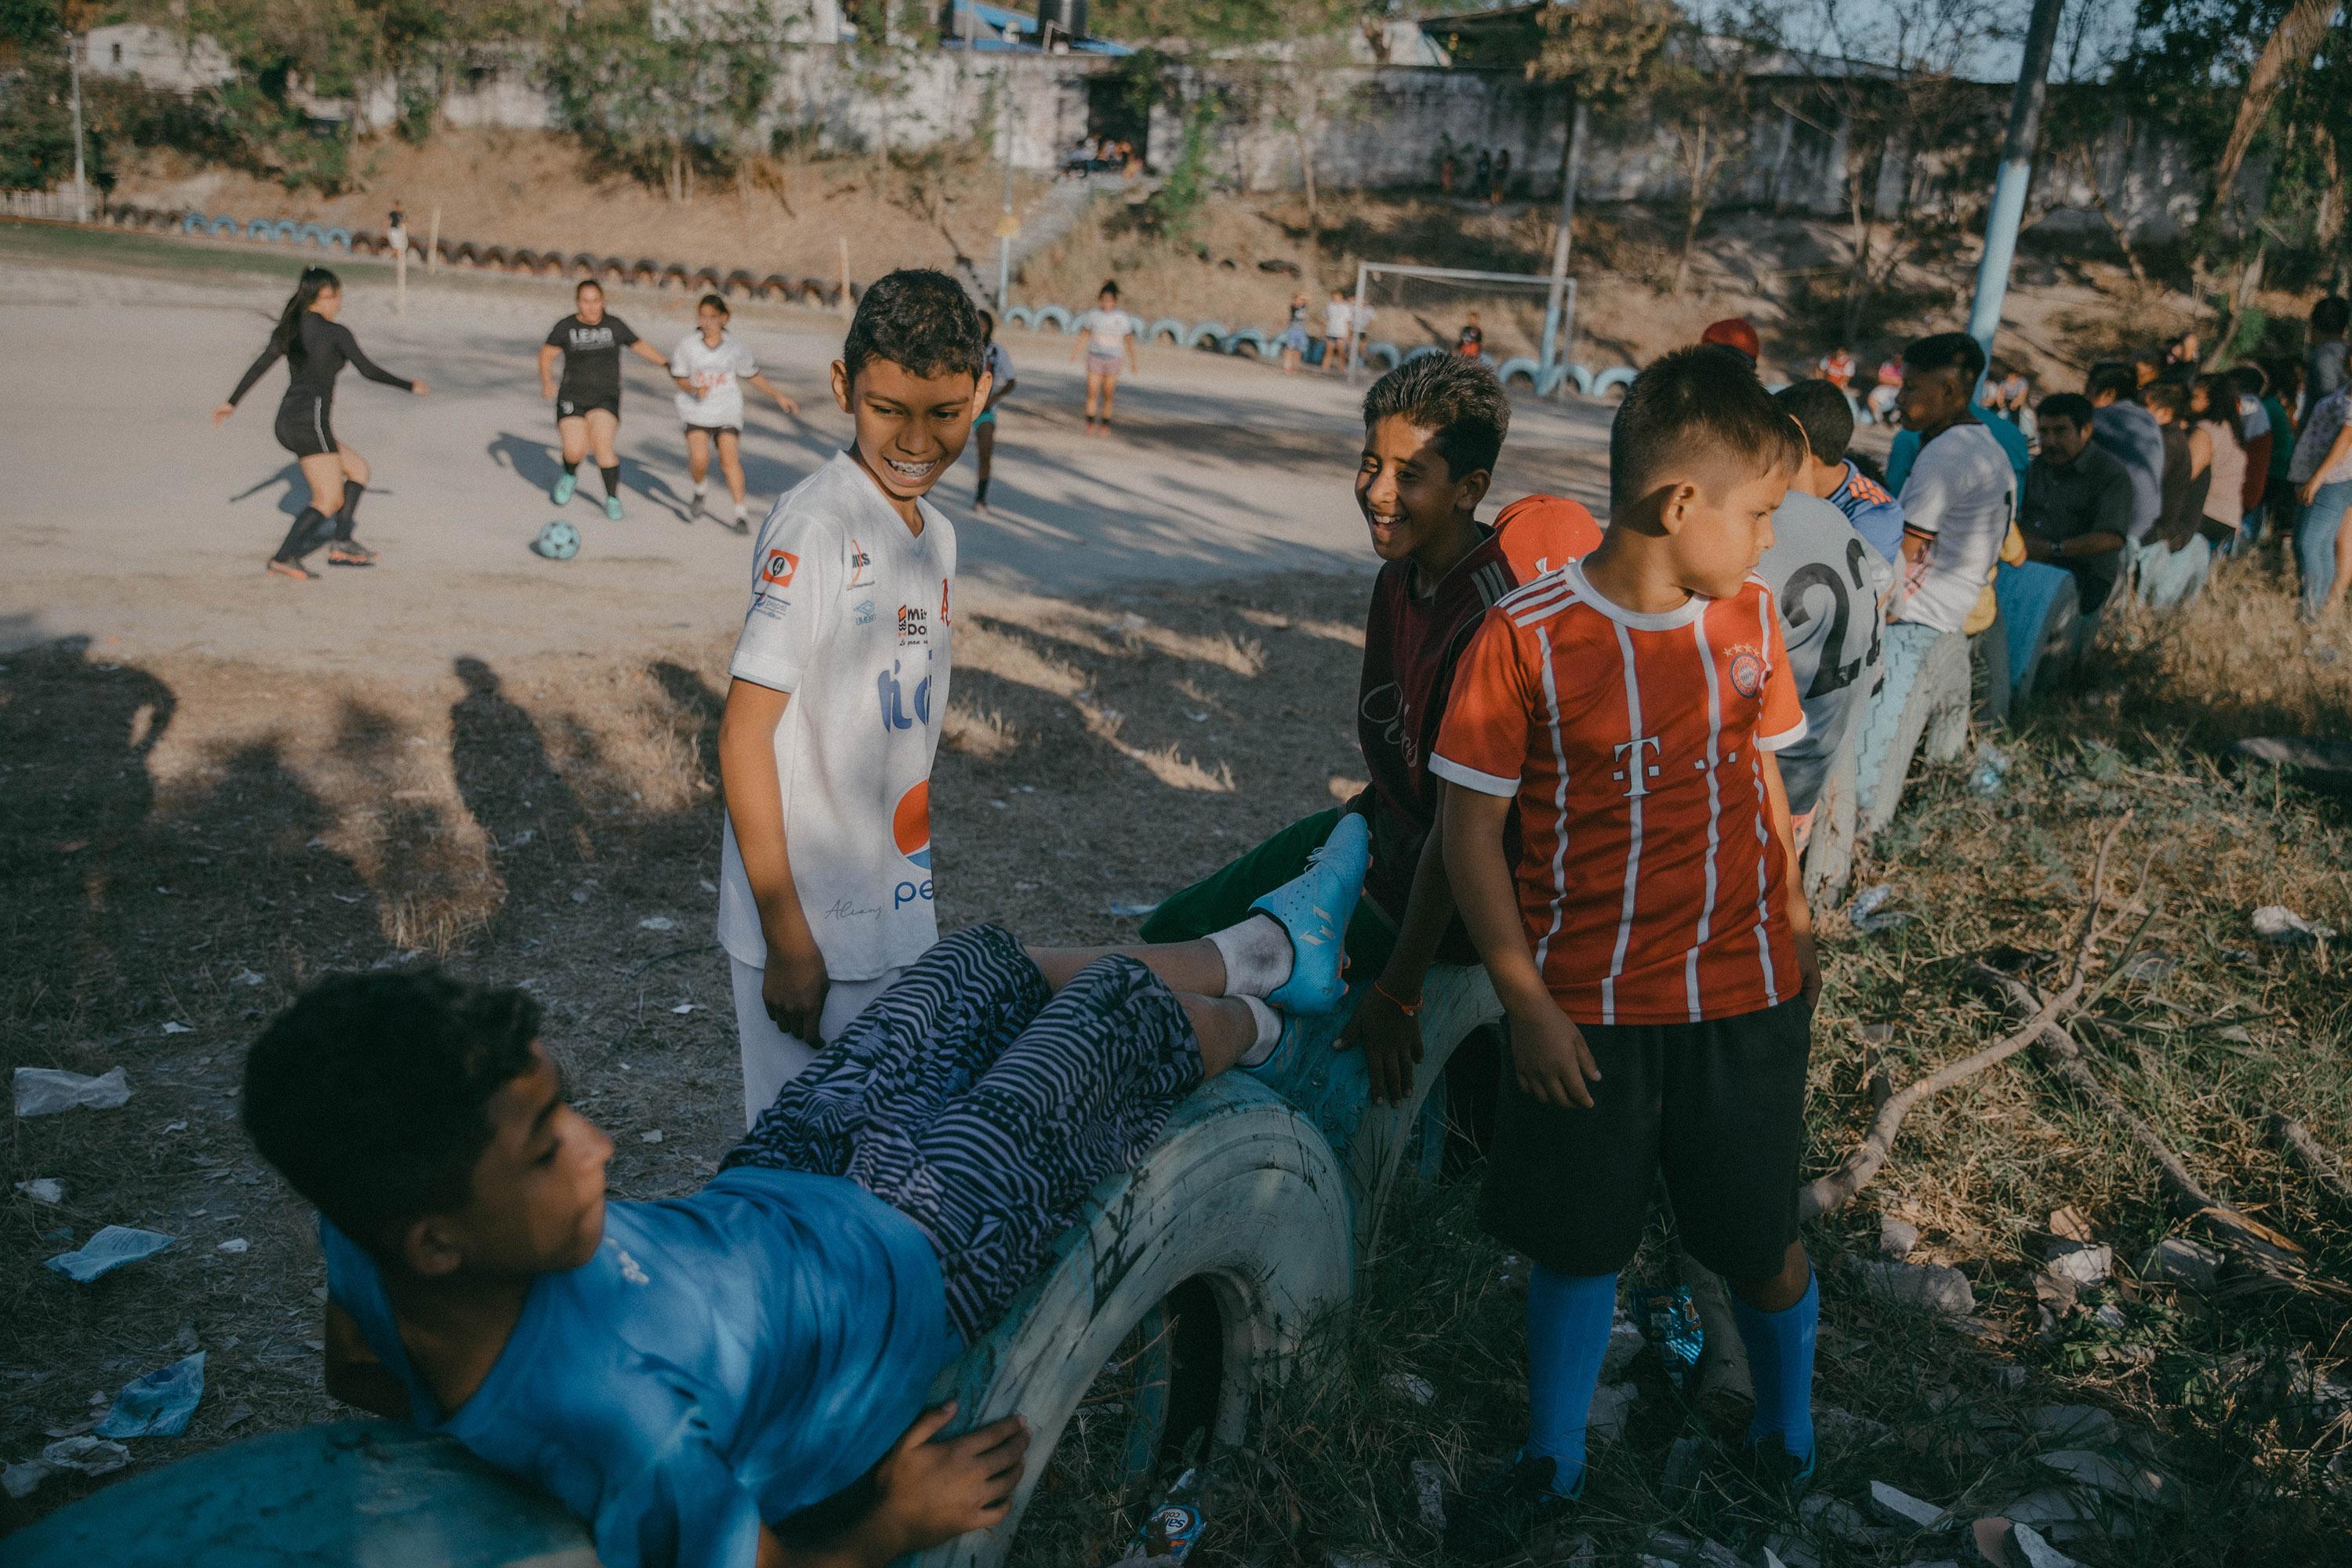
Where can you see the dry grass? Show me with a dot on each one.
(191, 842)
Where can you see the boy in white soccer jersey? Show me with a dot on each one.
(840, 689)
(711, 367)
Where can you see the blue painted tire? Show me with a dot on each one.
(1167, 327)
(1384, 354)
(286, 231)
(192, 222)
(1521, 365)
(379, 1492)
(1205, 334)
(310, 234)
(1923, 702)
(1054, 313)
(259, 228)
(1241, 1194)
(2043, 617)
(1019, 316)
(1250, 335)
(1420, 351)
(225, 228)
(1615, 378)
(336, 238)
(1990, 682)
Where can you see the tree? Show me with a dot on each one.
(1604, 54)
(1700, 86)
(654, 100)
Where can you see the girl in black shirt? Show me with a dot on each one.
(316, 347)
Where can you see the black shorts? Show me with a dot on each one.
(305, 426)
(566, 407)
(1720, 1106)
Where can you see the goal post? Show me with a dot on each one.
(1526, 319)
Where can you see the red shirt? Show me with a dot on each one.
(1649, 875)
(1544, 533)
(1410, 647)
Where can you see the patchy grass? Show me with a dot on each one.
(190, 842)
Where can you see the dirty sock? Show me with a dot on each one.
(1567, 1335)
(1256, 954)
(1269, 1033)
(611, 480)
(348, 518)
(1781, 1361)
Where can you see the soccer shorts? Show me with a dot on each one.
(565, 408)
(1717, 1106)
(305, 426)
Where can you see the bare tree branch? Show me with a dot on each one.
(2295, 1140)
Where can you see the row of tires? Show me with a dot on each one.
(646, 272)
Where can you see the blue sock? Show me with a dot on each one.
(1567, 1335)
(1781, 1361)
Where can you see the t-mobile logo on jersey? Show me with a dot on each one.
(1638, 771)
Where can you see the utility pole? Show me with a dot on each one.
(2008, 212)
(1005, 224)
(1569, 175)
(81, 178)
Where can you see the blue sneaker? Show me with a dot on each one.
(613, 508)
(564, 484)
(1313, 907)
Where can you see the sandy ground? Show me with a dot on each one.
(130, 518)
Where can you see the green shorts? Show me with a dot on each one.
(1223, 897)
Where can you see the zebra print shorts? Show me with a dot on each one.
(984, 1107)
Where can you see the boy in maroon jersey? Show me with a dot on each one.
(1432, 430)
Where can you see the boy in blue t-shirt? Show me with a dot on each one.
(1823, 412)
(736, 1377)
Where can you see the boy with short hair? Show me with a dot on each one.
(736, 1377)
(1650, 943)
(839, 692)
(1824, 412)
(1432, 431)
(1959, 498)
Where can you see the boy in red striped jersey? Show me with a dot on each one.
(1652, 942)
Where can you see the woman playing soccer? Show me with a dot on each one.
(711, 368)
(316, 347)
(1108, 331)
(588, 401)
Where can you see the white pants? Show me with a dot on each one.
(771, 1059)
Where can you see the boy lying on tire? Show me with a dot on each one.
(737, 1377)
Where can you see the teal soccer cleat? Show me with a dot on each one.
(564, 484)
(1314, 908)
(613, 508)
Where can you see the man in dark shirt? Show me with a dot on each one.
(2078, 502)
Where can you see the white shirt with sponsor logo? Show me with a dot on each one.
(718, 375)
(1961, 493)
(850, 614)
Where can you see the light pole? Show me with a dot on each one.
(1004, 225)
(81, 180)
(2008, 212)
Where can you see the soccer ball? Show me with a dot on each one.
(559, 541)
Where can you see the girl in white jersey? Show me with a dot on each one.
(710, 368)
(1104, 333)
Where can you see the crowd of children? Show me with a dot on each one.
(1592, 756)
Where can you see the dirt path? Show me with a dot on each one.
(131, 521)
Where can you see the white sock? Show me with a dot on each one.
(699, 490)
(1256, 954)
(741, 511)
(1269, 1032)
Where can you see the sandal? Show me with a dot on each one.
(293, 569)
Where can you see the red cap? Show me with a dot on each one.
(1734, 333)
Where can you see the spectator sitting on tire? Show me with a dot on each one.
(738, 1376)
(1823, 412)
(2078, 501)
(1648, 933)
(1432, 431)
(1960, 500)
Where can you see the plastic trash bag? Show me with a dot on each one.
(41, 1091)
(107, 1251)
(158, 1405)
(1669, 1319)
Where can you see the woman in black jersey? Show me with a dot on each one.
(588, 400)
(316, 347)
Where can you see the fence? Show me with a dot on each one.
(58, 206)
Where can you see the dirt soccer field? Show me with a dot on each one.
(217, 786)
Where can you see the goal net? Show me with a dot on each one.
(1517, 315)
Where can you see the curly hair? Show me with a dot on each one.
(918, 319)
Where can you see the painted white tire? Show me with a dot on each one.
(1828, 852)
(1924, 701)
(1242, 1194)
